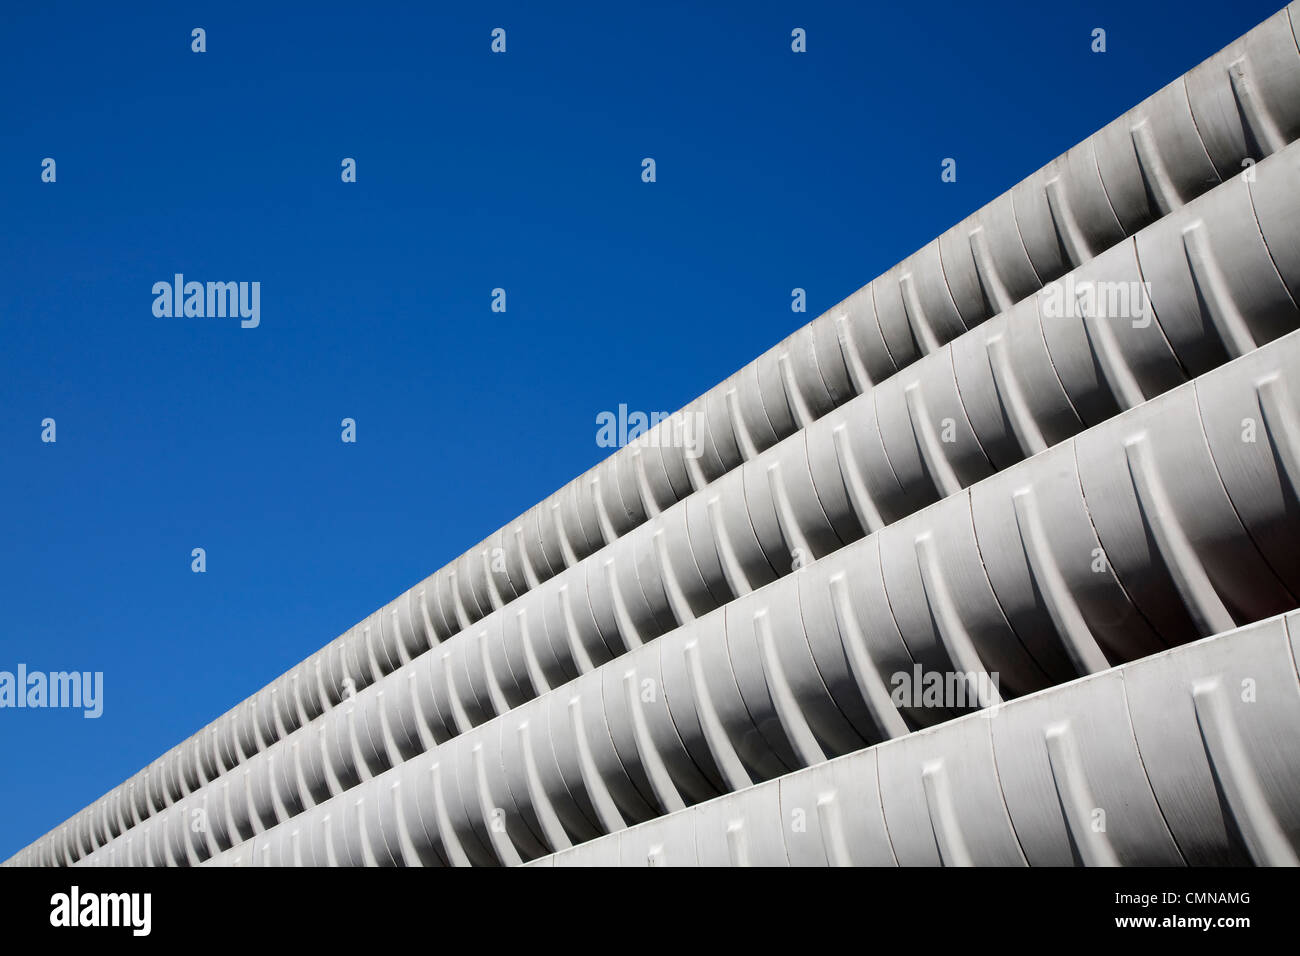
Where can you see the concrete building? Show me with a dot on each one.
(992, 563)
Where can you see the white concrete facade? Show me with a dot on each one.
(1061, 438)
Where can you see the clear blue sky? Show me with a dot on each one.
(475, 171)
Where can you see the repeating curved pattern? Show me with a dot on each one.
(803, 497)
(1187, 757)
(899, 397)
(1147, 531)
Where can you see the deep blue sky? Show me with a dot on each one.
(475, 171)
